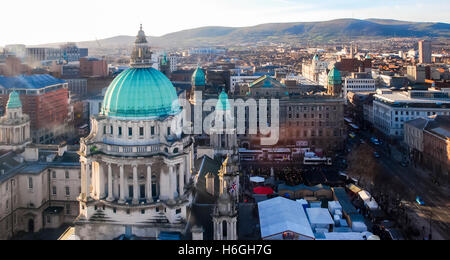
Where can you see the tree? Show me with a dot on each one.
(363, 166)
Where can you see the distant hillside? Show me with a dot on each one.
(286, 33)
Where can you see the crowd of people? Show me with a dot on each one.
(291, 175)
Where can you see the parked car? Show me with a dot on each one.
(374, 141)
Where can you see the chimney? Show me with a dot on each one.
(62, 148)
(31, 154)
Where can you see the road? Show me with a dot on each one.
(416, 182)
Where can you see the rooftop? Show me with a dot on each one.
(29, 82)
(280, 215)
(423, 97)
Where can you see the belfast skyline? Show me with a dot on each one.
(90, 20)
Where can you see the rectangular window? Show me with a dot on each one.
(67, 175)
(120, 131)
(168, 131)
(111, 128)
(54, 190)
(30, 183)
(67, 191)
(152, 130)
(68, 209)
(54, 175)
(130, 131)
(141, 131)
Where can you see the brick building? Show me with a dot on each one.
(347, 66)
(436, 147)
(93, 67)
(45, 99)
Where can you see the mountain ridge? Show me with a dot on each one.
(333, 30)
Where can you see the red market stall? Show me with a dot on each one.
(263, 191)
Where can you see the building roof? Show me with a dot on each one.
(334, 76)
(207, 166)
(280, 215)
(419, 123)
(335, 236)
(319, 216)
(266, 82)
(440, 126)
(29, 82)
(11, 164)
(198, 77)
(140, 93)
(394, 97)
(223, 104)
(14, 100)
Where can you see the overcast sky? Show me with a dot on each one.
(48, 21)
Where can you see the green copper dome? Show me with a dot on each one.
(140, 93)
(334, 77)
(223, 104)
(198, 77)
(14, 100)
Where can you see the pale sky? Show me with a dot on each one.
(48, 21)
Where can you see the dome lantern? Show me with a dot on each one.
(141, 56)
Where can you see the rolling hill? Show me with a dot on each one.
(334, 30)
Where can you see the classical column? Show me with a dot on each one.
(83, 180)
(101, 180)
(181, 179)
(110, 184)
(149, 184)
(189, 167)
(122, 185)
(88, 179)
(172, 183)
(135, 185)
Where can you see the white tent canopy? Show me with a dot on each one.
(257, 179)
(368, 200)
(280, 215)
(371, 204)
(365, 195)
(319, 216)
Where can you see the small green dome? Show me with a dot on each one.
(316, 58)
(198, 77)
(141, 93)
(334, 77)
(14, 100)
(223, 104)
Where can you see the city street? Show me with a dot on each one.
(409, 183)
